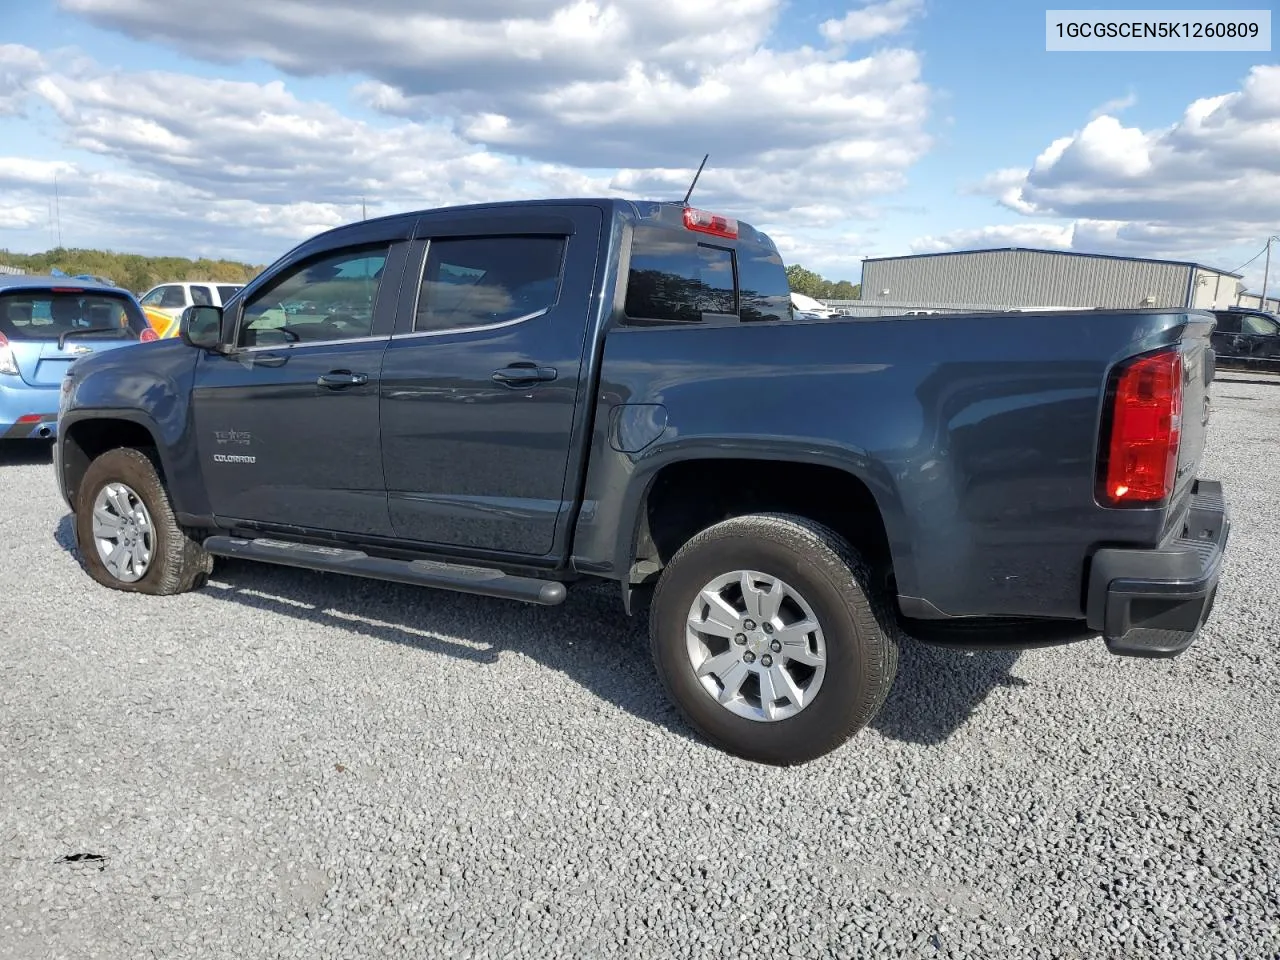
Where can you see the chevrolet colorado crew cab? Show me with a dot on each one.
(511, 398)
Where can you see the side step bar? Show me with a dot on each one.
(423, 573)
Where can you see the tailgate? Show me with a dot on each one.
(1198, 364)
(42, 364)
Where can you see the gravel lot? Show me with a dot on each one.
(290, 764)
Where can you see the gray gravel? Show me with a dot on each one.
(296, 765)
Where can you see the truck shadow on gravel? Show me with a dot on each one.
(588, 639)
(25, 453)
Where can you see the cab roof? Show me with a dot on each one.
(661, 212)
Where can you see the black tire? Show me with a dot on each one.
(179, 563)
(862, 648)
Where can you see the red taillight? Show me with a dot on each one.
(711, 223)
(66, 289)
(148, 335)
(1146, 426)
(8, 364)
(30, 418)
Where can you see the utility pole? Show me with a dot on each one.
(363, 214)
(1262, 304)
(57, 206)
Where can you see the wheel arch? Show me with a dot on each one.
(705, 484)
(86, 435)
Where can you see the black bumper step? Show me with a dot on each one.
(1153, 603)
(458, 577)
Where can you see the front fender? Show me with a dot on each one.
(148, 386)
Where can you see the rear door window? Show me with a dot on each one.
(201, 296)
(226, 293)
(173, 297)
(480, 281)
(46, 315)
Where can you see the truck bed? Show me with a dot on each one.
(978, 435)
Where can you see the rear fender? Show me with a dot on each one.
(625, 482)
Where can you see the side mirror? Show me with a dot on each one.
(201, 327)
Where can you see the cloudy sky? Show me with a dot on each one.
(845, 129)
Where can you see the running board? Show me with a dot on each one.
(458, 577)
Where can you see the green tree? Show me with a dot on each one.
(130, 270)
(814, 285)
(804, 281)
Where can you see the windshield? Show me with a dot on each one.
(47, 314)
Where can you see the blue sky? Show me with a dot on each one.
(847, 129)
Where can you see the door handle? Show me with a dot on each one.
(521, 373)
(338, 379)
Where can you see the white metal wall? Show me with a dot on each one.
(1254, 302)
(1215, 291)
(1027, 278)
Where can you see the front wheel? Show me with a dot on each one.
(128, 536)
(765, 634)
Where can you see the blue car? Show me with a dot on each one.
(46, 324)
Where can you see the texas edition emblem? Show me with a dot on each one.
(232, 436)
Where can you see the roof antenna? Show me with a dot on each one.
(695, 179)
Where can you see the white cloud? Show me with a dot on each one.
(1201, 189)
(587, 83)
(1044, 236)
(254, 141)
(1220, 161)
(210, 165)
(20, 172)
(488, 46)
(1114, 106)
(18, 67)
(872, 20)
(495, 99)
(835, 255)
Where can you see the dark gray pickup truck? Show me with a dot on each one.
(512, 398)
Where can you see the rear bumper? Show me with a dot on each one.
(1153, 603)
(46, 428)
(20, 400)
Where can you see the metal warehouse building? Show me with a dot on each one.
(1015, 277)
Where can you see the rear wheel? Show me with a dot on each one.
(768, 636)
(128, 536)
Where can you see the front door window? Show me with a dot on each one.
(321, 301)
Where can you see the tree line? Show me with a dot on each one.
(813, 285)
(130, 270)
(139, 274)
